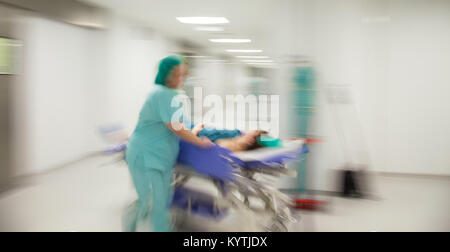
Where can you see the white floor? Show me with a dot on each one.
(91, 195)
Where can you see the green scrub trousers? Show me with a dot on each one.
(155, 195)
(151, 155)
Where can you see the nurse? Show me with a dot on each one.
(154, 145)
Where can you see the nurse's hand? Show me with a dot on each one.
(199, 127)
(180, 130)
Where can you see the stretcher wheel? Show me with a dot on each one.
(178, 218)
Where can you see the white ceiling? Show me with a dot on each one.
(248, 18)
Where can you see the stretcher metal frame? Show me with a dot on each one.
(237, 178)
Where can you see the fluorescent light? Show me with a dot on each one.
(258, 61)
(203, 20)
(209, 28)
(252, 57)
(245, 51)
(230, 40)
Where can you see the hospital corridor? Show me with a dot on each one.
(214, 116)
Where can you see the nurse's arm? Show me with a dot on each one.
(180, 130)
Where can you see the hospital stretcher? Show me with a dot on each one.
(237, 178)
(235, 175)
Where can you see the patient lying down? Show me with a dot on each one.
(247, 141)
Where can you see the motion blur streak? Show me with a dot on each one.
(365, 82)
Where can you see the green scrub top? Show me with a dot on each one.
(152, 141)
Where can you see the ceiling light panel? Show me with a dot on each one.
(231, 40)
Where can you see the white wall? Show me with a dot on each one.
(419, 87)
(76, 80)
(57, 84)
(395, 56)
(133, 56)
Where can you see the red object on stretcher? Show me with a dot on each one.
(308, 140)
(308, 204)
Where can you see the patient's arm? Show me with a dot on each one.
(241, 143)
(237, 144)
(231, 144)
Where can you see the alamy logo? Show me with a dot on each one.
(249, 112)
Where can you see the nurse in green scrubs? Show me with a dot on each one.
(154, 145)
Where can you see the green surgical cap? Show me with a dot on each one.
(165, 68)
